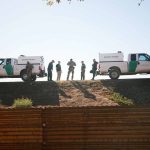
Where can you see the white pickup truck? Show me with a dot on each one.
(114, 65)
(16, 68)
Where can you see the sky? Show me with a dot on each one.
(77, 30)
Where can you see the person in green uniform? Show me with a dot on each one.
(58, 70)
(29, 68)
(83, 66)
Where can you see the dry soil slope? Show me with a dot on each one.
(77, 93)
(98, 93)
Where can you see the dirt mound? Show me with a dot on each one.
(79, 93)
(84, 93)
(99, 92)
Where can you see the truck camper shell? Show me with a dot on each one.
(32, 59)
(113, 57)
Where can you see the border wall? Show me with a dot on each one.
(78, 128)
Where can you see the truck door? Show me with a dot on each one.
(8, 67)
(143, 65)
(132, 63)
(2, 69)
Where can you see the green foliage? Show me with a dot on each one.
(122, 100)
(22, 103)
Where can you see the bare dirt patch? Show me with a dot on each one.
(84, 93)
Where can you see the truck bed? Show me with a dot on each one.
(105, 66)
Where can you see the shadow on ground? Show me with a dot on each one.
(86, 93)
(63, 93)
(136, 89)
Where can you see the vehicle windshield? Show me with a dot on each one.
(1, 61)
(144, 57)
(148, 57)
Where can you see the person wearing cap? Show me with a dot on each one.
(71, 65)
(83, 66)
(58, 70)
(94, 68)
(49, 70)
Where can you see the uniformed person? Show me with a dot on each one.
(71, 65)
(49, 70)
(58, 70)
(29, 68)
(83, 66)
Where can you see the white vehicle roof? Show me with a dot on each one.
(32, 59)
(106, 57)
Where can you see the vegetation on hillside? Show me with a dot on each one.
(22, 103)
(120, 99)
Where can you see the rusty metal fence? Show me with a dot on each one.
(78, 128)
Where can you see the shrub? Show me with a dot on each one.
(22, 103)
(122, 100)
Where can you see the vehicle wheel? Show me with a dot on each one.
(24, 76)
(33, 77)
(114, 74)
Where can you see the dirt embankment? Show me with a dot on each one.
(98, 93)
(84, 93)
(77, 93)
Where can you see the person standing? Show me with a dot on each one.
(58, 70)
(71, 65)
(83, 66)
(94, 68)
(29, 68)
(49, 70)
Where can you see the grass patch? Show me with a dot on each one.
(22, 103)
(122, 100)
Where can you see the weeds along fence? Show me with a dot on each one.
(66, 128)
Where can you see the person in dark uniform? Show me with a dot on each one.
(49, 70)
(83, 66)
(94, 68)
(71, 65)
(58, 70)
(29, 68)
